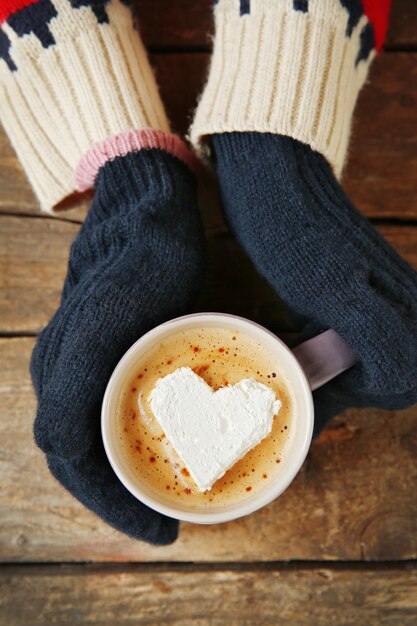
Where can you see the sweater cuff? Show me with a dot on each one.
(79, 78)
(130, 141)
(286, 67)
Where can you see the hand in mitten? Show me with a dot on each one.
(278, 105)
(81, 107)
(136, 262)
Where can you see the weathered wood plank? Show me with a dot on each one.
(382, 172)
(293, 597)
(354, 498)
(16, 195)
(402, 29)
(182, 24)
(33, 258)
(186, 23)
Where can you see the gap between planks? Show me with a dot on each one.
(376, 221)
(104, 567)
(207, 49)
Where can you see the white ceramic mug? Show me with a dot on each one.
(310, 365)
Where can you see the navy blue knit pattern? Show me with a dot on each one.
(97, 6)
(35, 18)
(244, 7)
(136, 262)
(327, 262)
(5, 51)
(355, 10)
(301, 5)
(367, 43)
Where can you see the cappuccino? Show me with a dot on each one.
(222, 357)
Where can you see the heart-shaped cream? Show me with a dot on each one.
(211, 430)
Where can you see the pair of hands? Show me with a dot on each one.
(138, 261)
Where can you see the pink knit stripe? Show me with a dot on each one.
(120, 145)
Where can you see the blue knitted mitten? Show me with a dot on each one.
(136, 262)
(278, 106)
(326, 261)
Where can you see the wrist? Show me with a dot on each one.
(80, 79)
(285, 71)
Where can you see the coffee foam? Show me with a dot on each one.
(212, 430)
(221, 357)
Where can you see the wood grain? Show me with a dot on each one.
(33, 258)
(292, 597)
(182, 24)
(381, 175)
(354, 498)
(16, 195)
(402, 31)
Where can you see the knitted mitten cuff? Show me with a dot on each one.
(72, 73)
(290, 67)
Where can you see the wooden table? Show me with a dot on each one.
(339, 546)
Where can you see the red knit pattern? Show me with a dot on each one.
(377, 12)
(8, 7)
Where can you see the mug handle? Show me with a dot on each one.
(324, 357)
